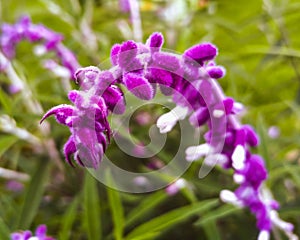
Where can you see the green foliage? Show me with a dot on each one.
(92, 213)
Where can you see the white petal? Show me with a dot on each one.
(263, 235)
(39, 50)
(285, 226)
(238, 157)
(215, 159)
(167, 121)
(180, 112)
(218, 113)
(238, 107)
(196, 152)
(238, 178)
(228, 196)
(33, 238)
(180, 183)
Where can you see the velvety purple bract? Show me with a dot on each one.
(139, 86)
(201, 52)
(228, 105)
(251, 137)
(155, 41)
(215, 72)
(114, 52)
(166, 61)
(114, 99)
(255, 171)
(128, 52)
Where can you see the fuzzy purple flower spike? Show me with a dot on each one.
(191, 80)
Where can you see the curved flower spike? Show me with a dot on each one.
(62, 114)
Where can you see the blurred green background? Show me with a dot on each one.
(259, 45)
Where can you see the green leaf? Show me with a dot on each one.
(4, 230)
(145, 207)
(6, 142)
(260, 49)
(214, 215)
(92, 214)
(68, 219)
(175, 216)
(34, 194)
(211, 231)
(146, 236)
(5, 101)
(116, 208)
(263, 148)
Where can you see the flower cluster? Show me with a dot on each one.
(191, 81)
(40, 234)
(24, 29)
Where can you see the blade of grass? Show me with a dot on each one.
(146, 206)
(6, 142)
(92, 215)
(68, 220)
(260, 49)
(5, 101)
(221, 212)
(4, 230)
(211, 231)
(175, 216)
(263, 148)
(34, 194)
(116, 208)
(146, 236)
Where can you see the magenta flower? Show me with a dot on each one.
(191, 81)
(40, 234)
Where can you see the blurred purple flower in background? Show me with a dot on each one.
(40, 234)
(24, 29)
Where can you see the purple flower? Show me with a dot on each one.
(40, 234)
(124, 5)
(176, 186)
(87, 120)
(24, 29)
(14, 186)
(191, 81)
